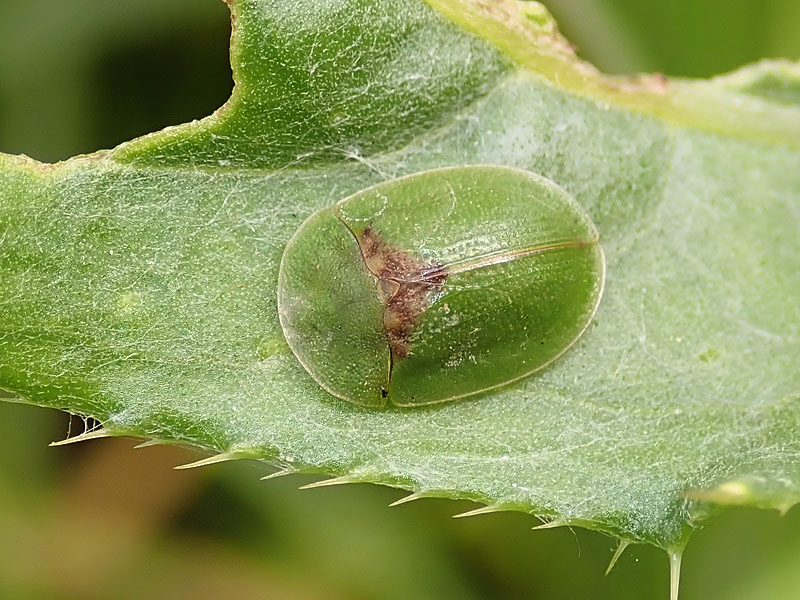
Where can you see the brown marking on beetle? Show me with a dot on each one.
(406, 286)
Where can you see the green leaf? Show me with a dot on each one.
(139, 284)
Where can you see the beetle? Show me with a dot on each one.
(439, 285)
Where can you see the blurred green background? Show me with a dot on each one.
(100, 520)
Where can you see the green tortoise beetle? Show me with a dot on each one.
(439, 285)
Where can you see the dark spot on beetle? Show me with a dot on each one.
(384, 393)
(407, 286)
(709, 355)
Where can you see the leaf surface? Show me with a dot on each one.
(139, 284)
